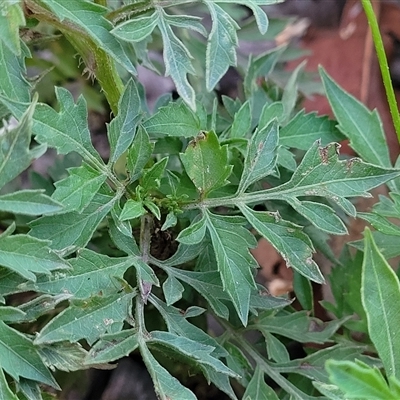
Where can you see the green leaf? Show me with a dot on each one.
(66, 130)
(289, 95)
(276, 349)
(5, 391)
(137, 29)
(381, 223)
(151, 178)
(19, 357)
(77, 190)
(92, 273)
(112, 347)
(166, 386)
(11, 18)
(194, 233)
(231, 242)
(380, 293)
(175, 119)
(321, 173)
(388, 245)
(15, 155)
(132, 209)
(258, 389)
(11, 314)
(73, 230)
(241, 121)
(320, 215)
(206, 163)
(331, 392)
(88, 319)
(177, 60)
(173, 290)
(89, 18)
(304, 129)
(303, 291)
(361, 126)
(358, 381)
(138, 154)
(29, 202)
(261, 155)
(27, 255)
(288, 239)
(122, 128)
(221, 44)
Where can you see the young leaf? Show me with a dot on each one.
(72, 230)
(194, 233)
(122, 128)
(132, 209)
(288, 239)
(15, 155)
(19, 357)
(358, 380)
(137, 29)
(166, 386)
(258, 389)
(29, 202)
(304, 129)
(231, 242)
(221, 45)
(88, 319)
(77, 190)
(380, 293)
(113, 346)
(92, 273)
(361, 126)
(89, 18)
(261, 155)
(177, 60)
(174, 119)
(11, 18)
(206, 163)
(27, 255)
(138, 154)
(152, 177)
(241, 122)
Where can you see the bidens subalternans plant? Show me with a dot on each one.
(128, 255)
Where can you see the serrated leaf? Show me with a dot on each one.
(15, 155)
(173, 290)
(151, 178)
(132, 209)
(304, 129)
(63, 356)
(358, 380)
(13, 83)
(166, 386)
(29, 202)
(66, 130)
(122, 129)
(221, 44)
(19, 357)
(231, 242)
(5, 391)
(138, 154)
(320, 215)
(288, 239)
(321, 173)
(112, 347)
(380, 294)
(261, 155)
(11, 18)
(92, 273)
(87, 319)
(199, 352)
(77, 190)
(258, 389)
(73, 230)
(177, 61)
(27, 255)
(137, 29)
(175, 119)
(89, 18)
(206, 163)
(361, 126)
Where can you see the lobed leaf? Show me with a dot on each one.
(380, 295)
(27, 255)
(206, 163)
(29, 202)
(88, 319)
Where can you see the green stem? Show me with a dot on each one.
(383, 64)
